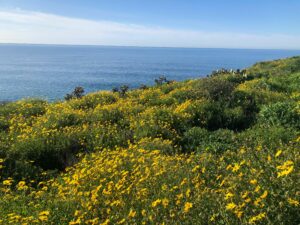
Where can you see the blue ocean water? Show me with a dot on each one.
(50, 72)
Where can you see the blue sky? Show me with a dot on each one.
(169, 23)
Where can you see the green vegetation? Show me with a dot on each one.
(219, 150)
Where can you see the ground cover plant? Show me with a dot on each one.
(218, 150)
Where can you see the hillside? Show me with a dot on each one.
(219, 150)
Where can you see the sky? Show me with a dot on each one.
(260, 24)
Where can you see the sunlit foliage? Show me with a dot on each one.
(219, 150)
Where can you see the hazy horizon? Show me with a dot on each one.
(136, 46)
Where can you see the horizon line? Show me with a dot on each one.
(140, 46)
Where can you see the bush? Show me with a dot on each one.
(77, 93)
(282, 114)
(199, 140)
(163, 145)
(4, 124)
(90, 101)
(159, 123)
(271, 137)
(217, 89)
(287, 83)
(28, 158)
(109, 115)
(106, 136)
(209, 115)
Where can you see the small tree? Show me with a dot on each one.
(143, 87)
(123, 90)
(161, 80)
(115, 90)
(77, 93)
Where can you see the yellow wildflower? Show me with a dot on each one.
(188, 192)
(285, 169)
(254, 181)
(229, 195)
(236, 167)
(230, 206)
(264, 195)
(156, 203)
(121, 221)
(238, 213)
(131, 214)
(293, 202)
(165, 202)
(278, 153)
(95, 221)
(7, 182)
(259, 217)
(43, 218)
(44, 213)
(187, 207)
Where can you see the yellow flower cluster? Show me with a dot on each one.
(112, 159)
(136, 186)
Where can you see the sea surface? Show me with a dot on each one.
(51, 71)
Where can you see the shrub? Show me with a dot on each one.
(106, 136)
(200, 140)
(281, 113)
(143, 87)
(56, 152)
(77, 93)
(163, 145)
(209, 115)
(4, 124)
(159, 123)
(161, 80)
(217, 89)
(109, 115)
(271, 136)
(123, 90)
(287, 83)
(92, 100)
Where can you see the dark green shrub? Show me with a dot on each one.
(270, 137)
(123, 90)
(183, 95)
(54, 152)
(4, 125)
(194, 138)
(243, 99)
(63, 120)
(143, 87)
(77, 93)
(236, 119)
(281, 113)
(199, 139)
(159, 123)
(18, 169)
(217, 89)
(27, 108)
(287, 83)
(108, 136)
(109, 116)
(209, 115)
(161, 80)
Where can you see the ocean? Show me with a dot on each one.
(51, 71)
